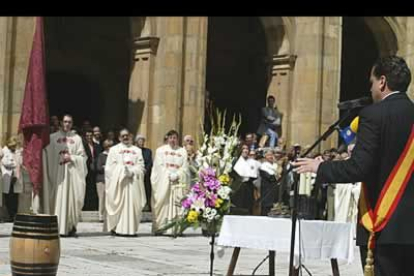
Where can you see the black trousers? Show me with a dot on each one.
(391, 260)
(147, 185)
(12, 200)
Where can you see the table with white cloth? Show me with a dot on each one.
(319, 239)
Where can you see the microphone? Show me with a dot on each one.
(348, 133)
(357, 103)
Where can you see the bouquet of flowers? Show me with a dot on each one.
(209, 198)
(208, 201)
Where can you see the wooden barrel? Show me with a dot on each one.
(34, 245)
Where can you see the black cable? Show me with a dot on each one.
(257, 267)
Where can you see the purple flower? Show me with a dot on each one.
(187, 203)
(212, 184)
(198, 190)
(207, 174)
(211, 200)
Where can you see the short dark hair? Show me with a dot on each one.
(395, 70)
(67, 115)
(124, 129)
(270, 97)
(172, 132)
(87, 130)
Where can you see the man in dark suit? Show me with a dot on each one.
(92, 151)
(147, 155)
(384, 147)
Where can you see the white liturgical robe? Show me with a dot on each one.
(125, 191)
(64, 182)
(169, 181)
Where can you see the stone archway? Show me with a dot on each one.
(276, 64)
(364, 39)
(97, 50)
(237, 73)
(384, 35)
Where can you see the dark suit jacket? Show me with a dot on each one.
(91, 160)
(100, 167)
(383, 132)
(147, 155)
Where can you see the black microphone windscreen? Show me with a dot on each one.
(357, 103)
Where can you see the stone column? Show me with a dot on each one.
(194, 71)
(24, 28)
(16, 38)
(165, 110)
(316, 79)
(281, 87)
(305, 94)
(330, 90)
(6, 35)
(141, 84)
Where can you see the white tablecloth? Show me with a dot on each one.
(319, 239)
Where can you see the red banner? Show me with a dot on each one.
(34, 119)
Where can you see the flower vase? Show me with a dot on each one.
(211, 229)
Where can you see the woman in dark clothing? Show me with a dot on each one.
(242, 198)
(268, 173)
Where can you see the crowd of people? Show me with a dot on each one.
(117, 175)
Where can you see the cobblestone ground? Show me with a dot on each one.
(96, 253)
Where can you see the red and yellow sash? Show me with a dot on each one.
(375, 220)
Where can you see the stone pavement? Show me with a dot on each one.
(96, 253)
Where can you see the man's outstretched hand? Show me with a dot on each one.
(303, 165)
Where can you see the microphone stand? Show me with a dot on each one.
(294, 212)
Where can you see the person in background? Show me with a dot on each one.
(11, 168)
(147, 154)
(268, 175)
(125, 191)
(188, 140)
(65, 167)
(97, 135)
(92, 151)
(110, 135)
(100, 178)
(169, 181)
(271, 122)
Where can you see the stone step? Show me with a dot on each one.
(93, 216)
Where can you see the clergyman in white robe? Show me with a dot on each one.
(346, 202)
(125, 191)
(64, 181)
(169, 181)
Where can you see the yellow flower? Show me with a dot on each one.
(224, 179)
(219, 201)
(192, 216)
